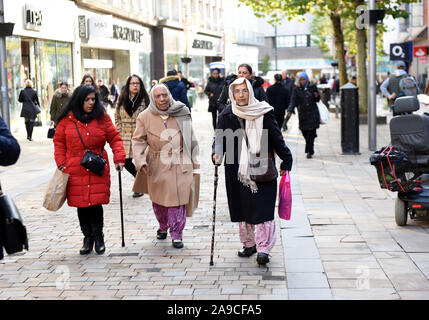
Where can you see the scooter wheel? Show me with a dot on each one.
(401, 212)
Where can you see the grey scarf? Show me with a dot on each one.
(182, 115)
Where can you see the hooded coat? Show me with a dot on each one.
(303, 99)
(177, 89)
(85, 188)
(59, 101)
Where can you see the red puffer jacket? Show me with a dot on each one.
(85, 188)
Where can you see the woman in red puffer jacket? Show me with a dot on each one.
(86, 190)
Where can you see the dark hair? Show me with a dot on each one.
(354, 77)
(216, 69)
(86, 77)
(245, 65)
(63, 83)
(278, 77)
(124, 98)
(76, 101)
(172, 73)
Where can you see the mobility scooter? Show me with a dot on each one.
(403, 166)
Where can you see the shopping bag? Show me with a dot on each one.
(12, 230)
(194, 196)
(51, 133)
(324, 112)
(56, 191)
(285, 197)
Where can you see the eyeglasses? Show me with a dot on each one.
(134, 83)
(238, 92)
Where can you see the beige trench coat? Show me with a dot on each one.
(126, 126)
(168, 180)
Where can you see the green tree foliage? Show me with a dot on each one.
(266, 64)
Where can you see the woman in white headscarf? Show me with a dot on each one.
(165, 150)
(250, 203)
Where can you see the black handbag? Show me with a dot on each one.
(12, 230)
(91, 161)
(262, 168)
(51, 133)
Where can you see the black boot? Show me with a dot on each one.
(262, 258)
(88, 240)
(97, 233)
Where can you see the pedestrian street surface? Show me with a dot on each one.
(341, 242)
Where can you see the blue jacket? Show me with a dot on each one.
(9, 147)
(177, 89)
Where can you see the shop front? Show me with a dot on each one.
(112, 48)
(202, 50)
(39, 50)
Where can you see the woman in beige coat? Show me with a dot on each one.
(132, 100)
(165, 150)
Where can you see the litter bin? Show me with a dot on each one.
(191, 96)
(349, 119)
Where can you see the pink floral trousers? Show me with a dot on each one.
(265, 235)
(173, 218)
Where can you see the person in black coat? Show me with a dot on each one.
(250, 203)
(305, 96)
(185, 81)
(176, 87)
(30, 107)
(213, 90)
(9, 154)
(278, 97)
(244, 71)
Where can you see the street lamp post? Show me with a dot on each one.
(372, 111)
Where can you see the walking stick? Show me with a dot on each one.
(214, 212)
(122, 210)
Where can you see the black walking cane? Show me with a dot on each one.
(214, 212)
(122, 210)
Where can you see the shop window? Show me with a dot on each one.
(144, 69)
(285, 42)
(15, 74)
(416, 14)
(301, 41)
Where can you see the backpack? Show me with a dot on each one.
(408, 87)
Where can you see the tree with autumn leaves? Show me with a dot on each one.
(340, 13)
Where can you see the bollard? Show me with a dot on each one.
(349, 119)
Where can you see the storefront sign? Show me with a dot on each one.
(101, 26)
(127, 34)
(33, 18)
(420, 52)
(202, 44)
(83, 34)
(424, 59)
(401, 51)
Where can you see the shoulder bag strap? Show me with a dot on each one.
(80, 136)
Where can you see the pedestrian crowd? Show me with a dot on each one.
(152, 137)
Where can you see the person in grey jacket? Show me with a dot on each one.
(9, 154)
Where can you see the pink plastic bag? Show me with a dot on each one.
(285, 197)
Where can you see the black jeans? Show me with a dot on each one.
(90, 215)
(29, 125)
(131, 168)
(309, 136)
(280, 118)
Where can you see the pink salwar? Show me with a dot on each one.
(173, 218)
(265, 235)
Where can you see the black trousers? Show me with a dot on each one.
(90, 215)
(309, 136)
(130, 167)
(214, 118)
(29, 125)
(280, 119)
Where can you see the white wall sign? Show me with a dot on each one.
(32, 17)
(101, 26)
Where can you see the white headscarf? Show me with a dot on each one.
(253, 114)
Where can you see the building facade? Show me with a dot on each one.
(290, 47)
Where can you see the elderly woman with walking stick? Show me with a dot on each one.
(251, 189)
(165, 150)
